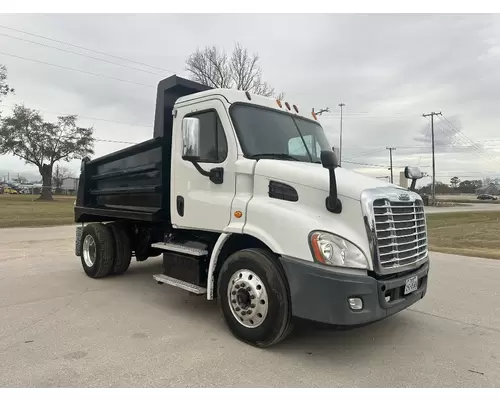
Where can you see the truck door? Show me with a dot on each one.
(197, 202)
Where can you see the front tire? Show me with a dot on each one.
(254, 297)
(97, 250)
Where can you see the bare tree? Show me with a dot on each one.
(213, 67)
(60, 175)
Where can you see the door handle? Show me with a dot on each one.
(180, 205)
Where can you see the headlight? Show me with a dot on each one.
(333, 250)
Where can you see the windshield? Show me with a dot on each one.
(273, 134)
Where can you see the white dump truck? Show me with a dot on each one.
(244, 199)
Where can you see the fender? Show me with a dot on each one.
(213, 262)
(214, 257)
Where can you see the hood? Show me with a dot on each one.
(349, 183)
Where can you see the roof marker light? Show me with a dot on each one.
(295, 108)
(248, 96)
(314, 116)
(278, 101)
(287, 105)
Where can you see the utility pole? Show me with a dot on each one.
(432, 114)
(390, 155)
(341, 105)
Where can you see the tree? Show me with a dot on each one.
(214, 67)
(4, 88)
(468, 186)
(61, 173)
(26, 135)
(454, 182)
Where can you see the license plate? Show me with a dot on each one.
(411, 285)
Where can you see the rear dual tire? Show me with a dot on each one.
(105, 249)
(254, 298)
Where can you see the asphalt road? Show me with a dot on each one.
(60, 328)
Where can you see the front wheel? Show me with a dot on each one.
(254, 297)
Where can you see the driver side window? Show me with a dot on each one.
(213, 143)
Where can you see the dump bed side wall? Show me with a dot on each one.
(129, 183)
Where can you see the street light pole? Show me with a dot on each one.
(341, 105)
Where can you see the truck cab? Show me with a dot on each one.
(245, 201)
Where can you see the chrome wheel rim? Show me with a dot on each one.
(247, 298)
(89, 251)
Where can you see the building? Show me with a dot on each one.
(69, 185)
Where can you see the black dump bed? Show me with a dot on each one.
(134, 183)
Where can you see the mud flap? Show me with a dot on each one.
(78, 240)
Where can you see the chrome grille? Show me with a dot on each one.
(401, 233)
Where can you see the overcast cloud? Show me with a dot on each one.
(387, 69)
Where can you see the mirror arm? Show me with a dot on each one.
(216, 175)
(332, 202)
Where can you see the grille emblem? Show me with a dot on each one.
(404, 197)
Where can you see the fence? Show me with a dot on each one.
(34, 191)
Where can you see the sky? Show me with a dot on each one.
(388, 69)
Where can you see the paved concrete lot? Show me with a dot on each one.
(60, 328)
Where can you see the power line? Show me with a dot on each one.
(81, 55)
(85, 48)
(466, 146)
(77, 70)
(85, 117)
(365, 164)
(474, 145)
(113, 141)
(365, 153)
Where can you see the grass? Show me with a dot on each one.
(472, 201)
(475, 234)
(19, 210)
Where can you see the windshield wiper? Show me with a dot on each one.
(280, 156)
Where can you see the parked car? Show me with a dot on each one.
(9, 190)
(486, 197)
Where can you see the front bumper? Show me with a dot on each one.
(321, 295)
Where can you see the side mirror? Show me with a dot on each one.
(330, 162)
(191, 139)
(329, 159)
(191, 149)
(413, 173)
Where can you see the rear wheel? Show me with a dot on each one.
(97, 250)
(123, 251)
(254, 298)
